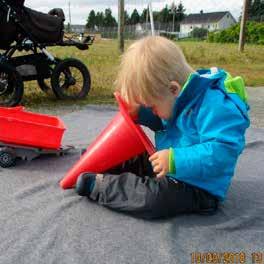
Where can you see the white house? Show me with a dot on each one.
(211, 21)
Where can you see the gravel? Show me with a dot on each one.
(256, 102)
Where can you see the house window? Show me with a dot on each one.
(208, 26)
(227, 16)
(190, 27)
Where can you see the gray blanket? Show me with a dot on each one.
(40, 223)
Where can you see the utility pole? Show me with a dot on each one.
(243, 26)
(173, 12)
(147, 16)
(69, 16)
(121, 24)
(151, 19)
(147, 20)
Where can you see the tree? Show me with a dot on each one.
(180, 12)
(99, 19)
(256, 10)
(91, 20)
(177, 15)
(127, 18)
(109, 20)
(135, 18)
(144, 15)
(164, 15)
(156, 15)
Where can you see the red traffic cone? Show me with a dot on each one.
(121, 140)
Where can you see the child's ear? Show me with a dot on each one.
(175, 88)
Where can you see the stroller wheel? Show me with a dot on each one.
(71, 80)
(11, 86)
(44, 85)
(45, 82)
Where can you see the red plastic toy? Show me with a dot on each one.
(27, 135)
(121, 140)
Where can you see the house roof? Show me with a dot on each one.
(203, 17)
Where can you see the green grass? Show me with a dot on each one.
(103, 60)
(249, 65)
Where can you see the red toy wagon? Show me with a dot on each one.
(27, 135)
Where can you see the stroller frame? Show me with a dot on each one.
(39, 65)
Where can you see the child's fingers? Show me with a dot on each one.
(157, 169)
(155, 163)
(153, 157)
(161, 174)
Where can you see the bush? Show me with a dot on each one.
(254, 34)
(200, 33)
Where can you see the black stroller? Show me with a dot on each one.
(24, 29)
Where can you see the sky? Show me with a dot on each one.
(80, 8)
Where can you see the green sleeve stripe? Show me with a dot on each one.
(187, 81)
(172, 168)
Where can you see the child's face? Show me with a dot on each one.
(164, 106)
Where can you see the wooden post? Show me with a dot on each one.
(121, 24)
(243, 26)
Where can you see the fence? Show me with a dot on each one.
(216, 17)
(139, 30)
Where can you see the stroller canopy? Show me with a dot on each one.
(16, 2)
(17, 21)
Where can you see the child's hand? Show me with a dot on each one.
(160, 162)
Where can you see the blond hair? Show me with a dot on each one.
(148, 67)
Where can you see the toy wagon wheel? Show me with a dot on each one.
(11, 86)
(7, 159)
(71, 79)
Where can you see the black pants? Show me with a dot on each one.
(133, 189)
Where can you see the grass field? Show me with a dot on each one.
(103, 59)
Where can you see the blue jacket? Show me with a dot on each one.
(206, 132)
